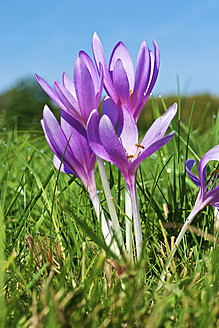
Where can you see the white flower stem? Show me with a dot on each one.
(136, 220)
(128, 223)
(178, 240)
(111, 207)
(101, 218)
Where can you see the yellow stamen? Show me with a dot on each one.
(130, 156)
(137, 145)
(131, 95)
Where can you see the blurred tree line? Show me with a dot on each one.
(22, 106)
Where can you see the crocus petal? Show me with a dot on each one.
(67, 99)
(84, 88)
(89, 63)
(53, 132)
(121, 52)
(189, 165)
(155, 60)
(68, 84)
(58, 142)
(110, 109)
(50, 92)
(155, 63)
(212, 198)
(211, 155)
(120, 80)
(127, 130)
(142, 75)
(159, 127)
(99, 57)
(148, 152)
(112, 145)
(76, 134)
(94, 136)
(63, 168)
(99, 93)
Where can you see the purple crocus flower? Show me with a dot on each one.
(123, 149)
(70, 140)
(119, 80)
(78, 157)
(82, 96)
(208, 195)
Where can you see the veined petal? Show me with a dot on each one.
(155, 63)
(68, 84)
(99, 57)
(68, 100)
(110, 109)
(55, 136)
(121, 52)
(88, 62)
(211, 155)
(155, 59)
(127, 130)
(121, 83)
(50, 92)
(76, 134)
(94, 136)
(148, 152)
(142, 75)
(189, 165)
(84, 88)
(99, 93)
(159, 127)
(112, 145)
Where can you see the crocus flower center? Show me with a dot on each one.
(133, 157)
(215, 172)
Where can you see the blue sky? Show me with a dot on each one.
(44, 37)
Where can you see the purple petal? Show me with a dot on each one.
(155, 60)
(112, 145)
(99, 57)
(88, 62)
(51, 93)
(159, 127)
(148, 152)
(84, 88)
(211, 155)
(94, 136)
(55, 137)
(155, 63)
(127, 130)
(121, 83)
(142, 74)
(99, 93)
(58, 142)
(68, 100)
(189, 165)
(68, 84)
(110, 109)
(121, 52)
(76, 134)
(212, 198)
(63, 168)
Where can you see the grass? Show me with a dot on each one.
(55, 270)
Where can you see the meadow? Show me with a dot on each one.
(56, 271)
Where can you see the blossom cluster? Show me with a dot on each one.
(84, 136)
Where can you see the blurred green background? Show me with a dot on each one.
(22, 106)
